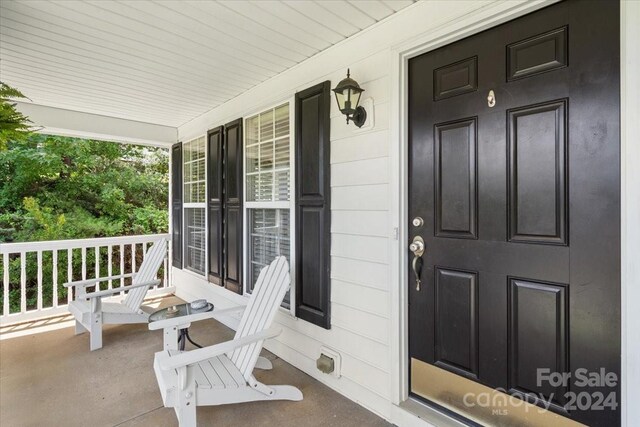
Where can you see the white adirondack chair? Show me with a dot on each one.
(223, 373)
(91, 313)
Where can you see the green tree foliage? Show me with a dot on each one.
(13, 124)
(55, 188)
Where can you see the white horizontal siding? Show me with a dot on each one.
(364, 223)
(368, 145)
(365, 248)
(363, 273)
(360, 172)
(367, 299)
(360, 197)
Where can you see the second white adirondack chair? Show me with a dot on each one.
(223, 373)
(91, 313)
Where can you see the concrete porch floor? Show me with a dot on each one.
(52, 379)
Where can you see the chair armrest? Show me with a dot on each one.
(195, 356)
(107, 292)
(91, 282)
(176, 321)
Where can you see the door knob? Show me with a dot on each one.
(417, 247)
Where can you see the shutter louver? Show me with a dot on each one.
(313, 205)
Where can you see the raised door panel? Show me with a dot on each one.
(544, 52)
(456, 311)
(455, 79)
(538, 337)
(310, 297)
(233, 248)
(538, 174)
(233, 162)
(309, 151)
(455, 179)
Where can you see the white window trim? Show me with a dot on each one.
(189, 205)
(291, 204)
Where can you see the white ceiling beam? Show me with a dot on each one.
(59, 121)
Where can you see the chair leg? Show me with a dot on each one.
(96, 332)
(187, 415)
(80, 328)
(187, 401)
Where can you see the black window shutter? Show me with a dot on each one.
(215, 138)
(176, 204)
(232, 200)
(313, 207)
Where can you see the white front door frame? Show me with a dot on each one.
(458, 28)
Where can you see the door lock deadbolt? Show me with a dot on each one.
(417, 222)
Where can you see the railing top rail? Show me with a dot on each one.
(49, 245)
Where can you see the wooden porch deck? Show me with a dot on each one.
(51, 378)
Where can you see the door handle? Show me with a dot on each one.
(417, 247)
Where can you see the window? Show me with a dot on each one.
(268, 202)
(194, 177)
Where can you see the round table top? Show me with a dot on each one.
(183, 310)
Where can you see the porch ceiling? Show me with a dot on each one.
(165, 62)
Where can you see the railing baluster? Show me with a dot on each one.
(121, 267)
(97, 253)
(5, 284)
(39, 280)
(23, 282)
(69, 274)
(84, 263)
(165, 273)
(133, 257)
(54, 257)
(109, 264)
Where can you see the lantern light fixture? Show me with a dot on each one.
(348, 94)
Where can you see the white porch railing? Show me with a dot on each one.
(33, 273)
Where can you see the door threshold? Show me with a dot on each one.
(430, 414)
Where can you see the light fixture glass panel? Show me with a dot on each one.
(355, 99)
(340, 97)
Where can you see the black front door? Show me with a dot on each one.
(514, 184)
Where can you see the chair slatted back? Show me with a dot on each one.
(271, 287)
(147, 272)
